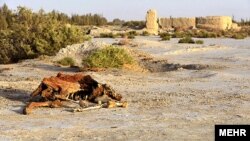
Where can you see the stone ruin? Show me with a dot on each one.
(185, 23)
(153, 24)
(215, 22)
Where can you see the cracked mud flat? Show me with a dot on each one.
(173, 105)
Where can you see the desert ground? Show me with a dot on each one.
(182, 104)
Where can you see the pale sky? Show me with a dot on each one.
(136, 9)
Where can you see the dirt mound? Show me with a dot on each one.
(77, 51)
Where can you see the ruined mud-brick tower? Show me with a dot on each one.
(151, 22)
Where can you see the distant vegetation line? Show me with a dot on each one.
(244, 22)
(75, 19)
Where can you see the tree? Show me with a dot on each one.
(3, 22)
(30, 34)
(6, 13)
(118, 22)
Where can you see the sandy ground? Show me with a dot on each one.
(173, 105)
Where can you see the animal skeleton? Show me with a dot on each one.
(78, 87)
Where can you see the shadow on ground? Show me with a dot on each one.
(51, 67)
(163, 66)
(18, 98)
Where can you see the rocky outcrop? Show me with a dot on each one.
(152, 26)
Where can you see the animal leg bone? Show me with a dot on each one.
(87, 109)
(113, 104)
(53, 104)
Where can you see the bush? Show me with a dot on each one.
(117, 22)
(29, 35)
(188, 40)
(135, 24)
(66, 61)
(165, 38)
(164, 34)
(238, 36)
(131, 36)
(199, 42)
(133, 33)
(121, 35)
(108, 57)
(206, 34)
(108, 35)
(145, 33)
(179, 35)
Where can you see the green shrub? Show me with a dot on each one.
(238, 36)
(131, 36)
(108, 57)
(188, 40)
(164, 34)
(135, 24)
(66, 61)
(212, 35)
(179, 35)
(117, 22)
(196, 34)
(202, 34)
(145, 33)
(205, 34)
(121, 35)
(29, 35)
(108, 35)
(199, 42)
(134, 33)
(166, 38)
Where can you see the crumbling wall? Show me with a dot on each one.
(215, 22)
(165, 23)
(152, 22)
(184, 23)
